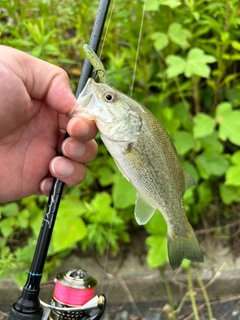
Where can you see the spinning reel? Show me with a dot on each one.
(73, 298)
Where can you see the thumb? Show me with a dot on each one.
(43, 80)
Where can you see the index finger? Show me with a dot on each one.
(82, 129)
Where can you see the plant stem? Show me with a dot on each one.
(179, 308)
(196, 95)
(192, 293)
(205, 294)
(180, 93)
(168, 289)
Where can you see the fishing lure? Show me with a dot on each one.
(96, 63)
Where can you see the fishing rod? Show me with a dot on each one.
(28, 305)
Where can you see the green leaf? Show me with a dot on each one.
(157, 254)
(10, 209)
(160, 40)
(235, 44)
(222, 110)
(3, 243)
(168, 120)
(183, 142)
(233, 176)
(181, 112)
(157, 225)
(229, 123)
(229, 194)
(69, 227)
(204, 194)
(23, 218)
(7, 226)
(124, 194)
(170, 3)
(102, 211)
(188, 197)
(51, 49)
(225, 37)
(179, 35)
(105, 176)
(235, 158)
(186, 263)
(191, 169)
(229, 79)
(152, 5)
(211, 143)
(67, 233)
(20, 43)
(36, 216)
(197, 63)
(203, 125)
(233, 95)
(211, 164)
(233, 57)
(176, 66)
(35, 31)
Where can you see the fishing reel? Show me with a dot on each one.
(73, 298)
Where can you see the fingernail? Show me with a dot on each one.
(72, 148)
(80, 126)
(62, 167)
(46, 186)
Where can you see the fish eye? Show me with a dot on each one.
(109, 97)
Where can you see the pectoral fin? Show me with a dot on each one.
(143, 211)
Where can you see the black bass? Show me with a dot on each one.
(146, 156)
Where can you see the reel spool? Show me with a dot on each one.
(73, 297)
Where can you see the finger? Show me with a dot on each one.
(78, 151)
(57, 91)
(82, 129)
(46, 186)
(67, 170)
(43, 80)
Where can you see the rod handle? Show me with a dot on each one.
(27, 306)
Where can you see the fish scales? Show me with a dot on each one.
(146, 166)
(146, 156)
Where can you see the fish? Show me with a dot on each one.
(145, 155)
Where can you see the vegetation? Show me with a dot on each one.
(187, 75)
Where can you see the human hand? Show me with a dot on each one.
(34, 98)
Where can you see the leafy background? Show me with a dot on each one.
(187, 74)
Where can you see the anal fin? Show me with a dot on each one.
(143, 211)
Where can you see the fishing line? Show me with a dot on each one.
(138, 48)
(109, 235)
(131, 91)
(107, 254)
(107, 28)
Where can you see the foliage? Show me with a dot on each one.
(187, 75)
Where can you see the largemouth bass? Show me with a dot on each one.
(146, 156)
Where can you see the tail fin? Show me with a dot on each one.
(180, 247)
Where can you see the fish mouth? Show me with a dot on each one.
(83, 99)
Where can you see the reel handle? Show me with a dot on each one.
(98, 315)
